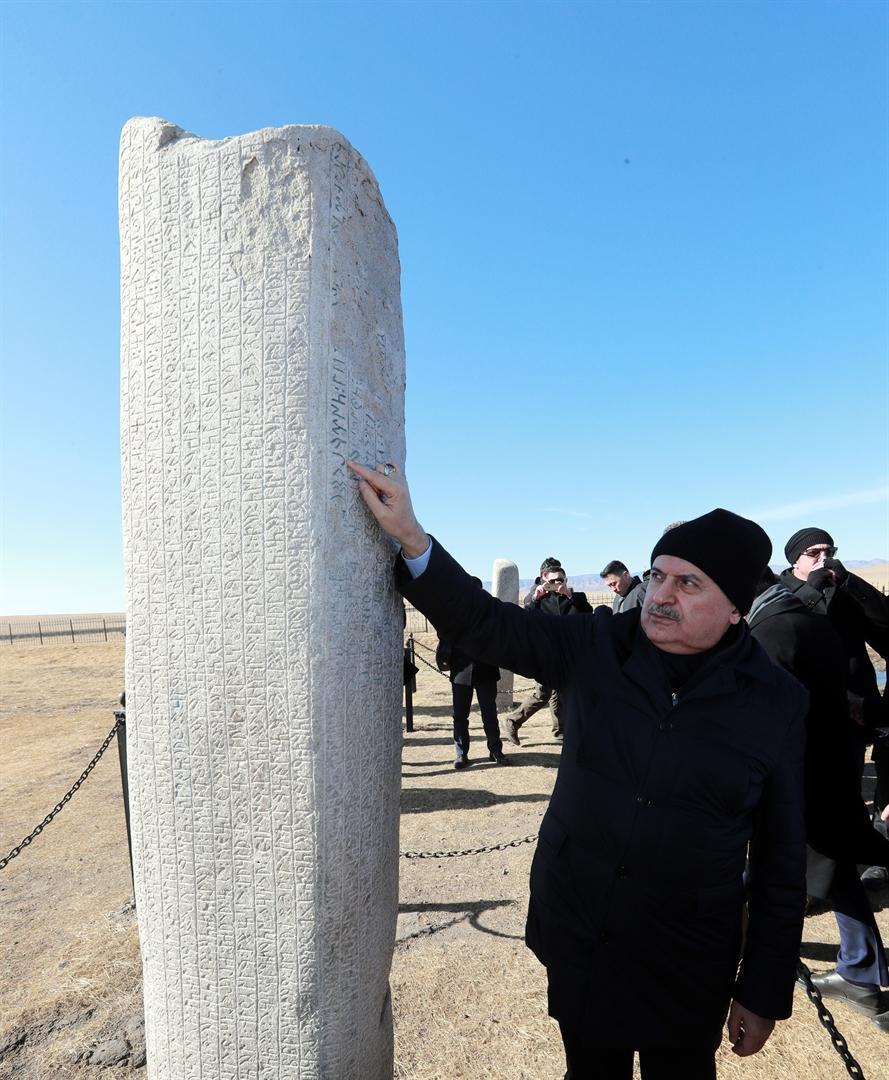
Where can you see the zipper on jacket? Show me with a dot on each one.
(675, 697)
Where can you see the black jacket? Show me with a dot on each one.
(462, 669)
(553, 603)
(860, 614)
(636, 886)
(837, 821)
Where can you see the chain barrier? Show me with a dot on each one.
(803, 973)
(431, 666)
(824, 1015)
(468, 851)
(65, 798)
(422, 646)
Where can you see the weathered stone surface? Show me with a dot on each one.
(505, 586)
(261, 347)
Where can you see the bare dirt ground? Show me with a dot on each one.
(469, 999)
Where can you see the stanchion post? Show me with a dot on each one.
(71, 624)
(121, 715)
(40, 631)
(409, 687)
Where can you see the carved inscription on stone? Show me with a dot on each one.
(261, 346)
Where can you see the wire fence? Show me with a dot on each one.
(63, 629)
(95, 629)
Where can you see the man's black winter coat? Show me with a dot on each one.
(837, 821)
(860, 615)
(636, 886)
(553, 603)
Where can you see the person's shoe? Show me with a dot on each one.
(866, 999)
(875, 878)
(510, 731)
(462, 762)
(499, 757)
(882, 1021)
(816, 906)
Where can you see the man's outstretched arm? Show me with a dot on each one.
(486, 629)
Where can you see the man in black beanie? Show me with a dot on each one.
(860, 615)
(683, 745)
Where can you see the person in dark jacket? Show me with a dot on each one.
(860, 615)
(838, 828)
(468, 675)
(629, 591)
(683, 745)
(553, 596)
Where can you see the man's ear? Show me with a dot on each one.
(734, 617)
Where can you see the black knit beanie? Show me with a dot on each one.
(730, 549)
(803, 539)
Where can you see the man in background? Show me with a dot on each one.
(551, 596)
(838, 831)
(859, 613)
(629, 591)
(470, 676)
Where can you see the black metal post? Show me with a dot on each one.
(71, 624)
(124, 783)
(409, 687)
(105, 628)
(40, 631)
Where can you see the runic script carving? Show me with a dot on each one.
(261, 346)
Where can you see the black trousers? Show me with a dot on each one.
(487, 703)
(588, 1060)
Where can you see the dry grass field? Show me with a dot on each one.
(469, 999)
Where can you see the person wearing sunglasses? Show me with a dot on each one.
(860, 615)
(553, 596)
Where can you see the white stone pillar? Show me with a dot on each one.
(505, 586)
(261, 346)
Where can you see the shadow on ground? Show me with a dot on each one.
(818, 950)
(424, 920)
(425, 800)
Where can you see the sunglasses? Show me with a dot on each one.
(816, 553)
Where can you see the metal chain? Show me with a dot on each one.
(468, 851)
(432, 666)
(65, 798)
(824, 1015)
(422, 646)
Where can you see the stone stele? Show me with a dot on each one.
(505, 586)
(261, 346)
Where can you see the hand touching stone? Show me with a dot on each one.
(389, 500)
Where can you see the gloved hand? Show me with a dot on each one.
(840, 573)
(820, 579)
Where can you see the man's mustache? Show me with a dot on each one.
(665, 610)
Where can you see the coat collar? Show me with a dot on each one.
(776, 600)
(716, 677)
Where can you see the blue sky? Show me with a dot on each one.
(645, 259)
